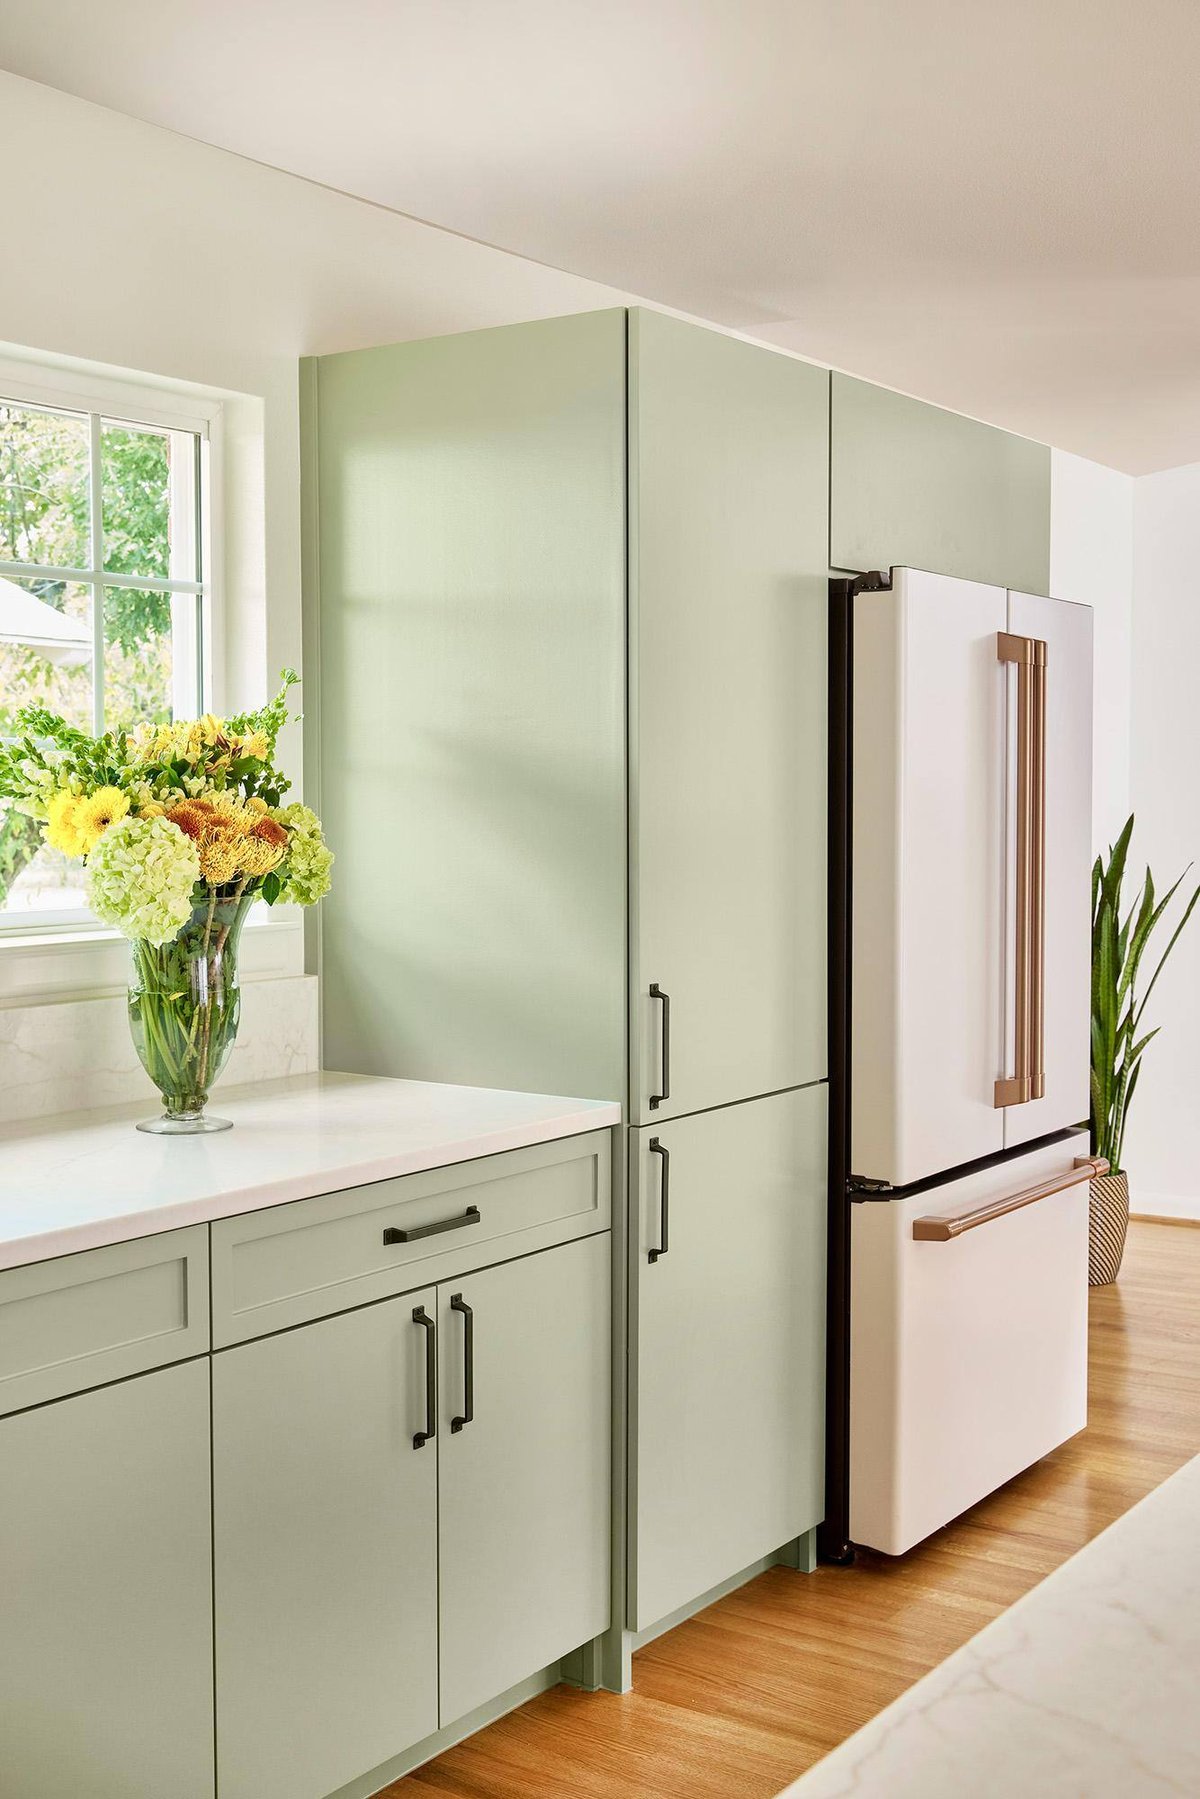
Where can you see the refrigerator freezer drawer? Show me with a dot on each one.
(968, 1355)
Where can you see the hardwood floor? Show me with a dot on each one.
(743, 1698)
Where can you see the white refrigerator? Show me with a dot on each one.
(961, 815)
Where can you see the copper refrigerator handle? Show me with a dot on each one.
(1028, 1079)
(1037, 960)
(944, 1230)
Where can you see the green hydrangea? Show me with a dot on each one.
(140, 878)
(304, 876)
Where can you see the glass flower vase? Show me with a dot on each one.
(184, 1005)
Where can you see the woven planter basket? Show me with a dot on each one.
(1108, 1221)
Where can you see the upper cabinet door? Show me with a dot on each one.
(928, 927)
(1061, 979)
(465, 573)
(913, 485)
(728, 569)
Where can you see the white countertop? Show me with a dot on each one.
(1085, 1689)
(79, 1180)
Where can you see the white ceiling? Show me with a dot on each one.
(995, 206)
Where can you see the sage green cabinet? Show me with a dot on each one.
(325, 1545)
(373, 1581)
(727, 1379)
(729, 447)
(503, 529)
(912, 485)
(106, 1593)
(465, 581)
(523, 1537)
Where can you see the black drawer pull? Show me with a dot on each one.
(421, 1317)
(466, 1416)
(664, 1242)
(656, 1099)
(470, 1216)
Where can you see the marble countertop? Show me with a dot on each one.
(1085, 1689)
(80, 1180)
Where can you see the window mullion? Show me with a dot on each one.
(33, 571)
(96, 498)
(199, 569)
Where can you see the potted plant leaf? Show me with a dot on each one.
(1119, 944)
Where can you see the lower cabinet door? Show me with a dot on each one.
(106, 1594)
(524, 1447)
(325, 1537)
(728, 1386)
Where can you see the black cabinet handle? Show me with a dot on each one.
(421, 1317)
(459, 1304)
(470, 1216)
(664, 1240)
(656, 1099)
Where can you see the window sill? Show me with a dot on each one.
(41, 966)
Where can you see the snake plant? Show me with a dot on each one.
(1118, 945)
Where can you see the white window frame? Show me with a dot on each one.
(162, 408)
(41, 965)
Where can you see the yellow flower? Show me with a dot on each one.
(263, 849)
(63, 827)
(213, 730)
(258, 807)
(256, 745)
(151, 809)
(219, 859)
(97, 811)
(256, 857)
(232, 815)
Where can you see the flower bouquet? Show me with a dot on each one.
(182, 827)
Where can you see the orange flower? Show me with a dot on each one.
(191, 817)
(268, 830)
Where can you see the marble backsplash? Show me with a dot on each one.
(74, 1055)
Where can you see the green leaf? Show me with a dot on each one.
(272, 887)
(1136, 949)
(1114, 875)
(1190, 908)
(1119, 945)
(1117, 1155)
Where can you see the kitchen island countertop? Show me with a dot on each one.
(1086, 1686)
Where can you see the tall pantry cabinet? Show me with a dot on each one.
(566, 593)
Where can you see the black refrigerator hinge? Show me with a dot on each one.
(877, 580)
(860, 1187)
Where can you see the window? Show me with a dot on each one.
(104, 595)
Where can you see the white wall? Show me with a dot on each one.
(1091, 560)
(1163, 1172)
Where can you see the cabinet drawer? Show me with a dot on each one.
(81, 1320)
(292, 1263)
